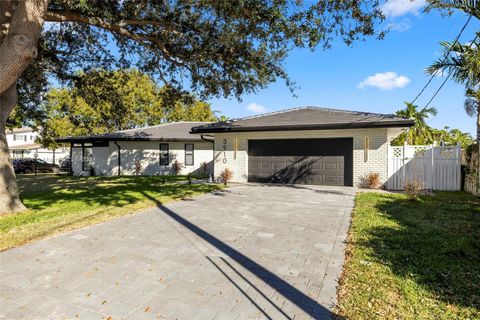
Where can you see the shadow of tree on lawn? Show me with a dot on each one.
(437, 245)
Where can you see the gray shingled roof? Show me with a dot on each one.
(175, 131)
(306, 118)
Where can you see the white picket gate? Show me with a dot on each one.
(434, 167)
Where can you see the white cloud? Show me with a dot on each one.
(385, 81)
(256, 108)
(400, 26)
(397, 8)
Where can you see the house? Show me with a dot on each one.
(144, 151)
(307, 145)
(22, 144)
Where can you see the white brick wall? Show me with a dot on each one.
(105, 161)
(226, 157)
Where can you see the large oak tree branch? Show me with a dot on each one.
(115, 27)
(19, 46)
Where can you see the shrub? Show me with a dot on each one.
(176, 167)
(138, 168)
(226, 175)
(413, 188)
(204, 166)
(371, 181)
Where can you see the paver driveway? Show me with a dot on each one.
(249, 252)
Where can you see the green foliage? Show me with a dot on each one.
(462, 61)
(212, 48)
(102, 101)
(199, 111)
(420, 132)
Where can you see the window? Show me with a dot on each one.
(189, 154)
(164, 154)
(87, 156)
(19, 137)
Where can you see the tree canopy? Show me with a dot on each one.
(422, 134)
(101, 101)
(212, 48)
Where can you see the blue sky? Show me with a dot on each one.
(339, 77)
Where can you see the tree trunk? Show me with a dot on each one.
(19, 37)
(20, 27)
(478, 125)
(9, 199)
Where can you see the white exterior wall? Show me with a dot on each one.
(379, 139)
(105, 159)
(42, 153)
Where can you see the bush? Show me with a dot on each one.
(176, 167)
(413, 188)
(226, 175)
(371, 181)
(138, 168)
(204, 166)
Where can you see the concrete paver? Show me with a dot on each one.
(249, 252)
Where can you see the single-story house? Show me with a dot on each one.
(307, 145)
(144, 151)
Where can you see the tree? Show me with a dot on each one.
(420, 133)
(215, 48)
(102, 101)
(456, 136)
(463, 63)
(197, 111)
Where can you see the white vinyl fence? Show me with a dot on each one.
(434, 167)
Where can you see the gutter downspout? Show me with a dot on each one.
(205, 139)
(211, 175)
(118, 157)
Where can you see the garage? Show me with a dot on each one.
(301, 161)
(305, 145)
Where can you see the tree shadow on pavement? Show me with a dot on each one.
(302, 301)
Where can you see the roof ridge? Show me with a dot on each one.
(160, 125)
(272, 113)
(316, 108)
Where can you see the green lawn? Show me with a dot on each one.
(413, 259)
(60, 203)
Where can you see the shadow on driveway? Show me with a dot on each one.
(295, 296)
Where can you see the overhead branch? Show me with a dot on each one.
(117, 28)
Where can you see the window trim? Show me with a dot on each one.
(90, 145)
(192, 154)
(167, 154)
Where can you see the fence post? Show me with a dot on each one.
(459, 166)
(404, 178)
(434, 173)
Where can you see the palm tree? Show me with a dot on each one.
(472, 107)
(462, 62)
(456, 136)
(420, 133)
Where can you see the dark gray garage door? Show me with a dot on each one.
(302, 161)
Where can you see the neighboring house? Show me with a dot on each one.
(306, 145)
(22, 144)
(146, 151)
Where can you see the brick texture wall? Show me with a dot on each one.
(226, 155)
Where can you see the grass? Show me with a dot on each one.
(412, 258)
(59, 203)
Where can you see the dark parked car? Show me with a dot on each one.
(29, 165)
